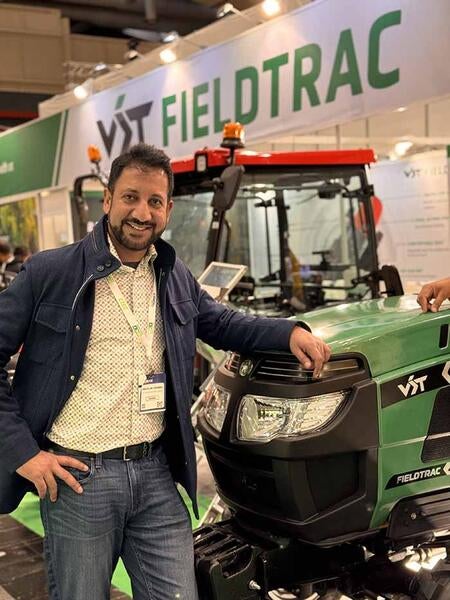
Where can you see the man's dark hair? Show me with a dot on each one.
(5, 248)
(143, 156)
(21, 252)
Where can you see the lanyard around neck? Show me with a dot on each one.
(146, 337)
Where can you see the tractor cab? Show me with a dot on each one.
(303, 222)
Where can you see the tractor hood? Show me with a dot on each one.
(391, 332)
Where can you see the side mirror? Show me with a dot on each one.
(392, 280)
(227, 188)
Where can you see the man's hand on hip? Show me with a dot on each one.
(310, 350)
(42, 469)
(437, 290)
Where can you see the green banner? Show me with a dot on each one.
(28, 156)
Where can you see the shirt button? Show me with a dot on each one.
(77, 328)
(72, 378)
(100, 268)
(108, 263)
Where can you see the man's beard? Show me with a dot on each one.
(134, 244)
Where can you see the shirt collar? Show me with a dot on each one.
(148, 258)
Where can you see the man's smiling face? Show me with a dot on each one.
(138, 210)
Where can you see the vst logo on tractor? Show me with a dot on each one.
(407, 386)
(413, 385)
(124, 119)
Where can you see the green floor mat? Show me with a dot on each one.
(28, 514)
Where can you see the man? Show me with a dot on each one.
(436, 290)
(5, 256)
(20, 255)
(5, 260)
(98, 418)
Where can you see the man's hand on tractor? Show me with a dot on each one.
(437, 290)
(310, 350)
(43, 468)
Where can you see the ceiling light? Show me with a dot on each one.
(82, 91)
(225, 10)
(401, 148)
(168, 56)
(401, 109)
(132, 53)
(271, 7)
(99, 67)
(170, 36)
(228, 8)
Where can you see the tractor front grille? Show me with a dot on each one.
(287, 369)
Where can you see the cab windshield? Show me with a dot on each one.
(302, 234)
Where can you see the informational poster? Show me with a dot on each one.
(414, 225)
(18, 223)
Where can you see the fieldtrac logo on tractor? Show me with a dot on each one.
(413, 385)
(124, 119)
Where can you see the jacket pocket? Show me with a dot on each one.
(185, 313)
(46, 343)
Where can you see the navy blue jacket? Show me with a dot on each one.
(49, 308)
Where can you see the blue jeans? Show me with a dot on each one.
(128, 509)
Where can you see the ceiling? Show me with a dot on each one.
(148, 18)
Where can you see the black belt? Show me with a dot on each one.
(143, 450)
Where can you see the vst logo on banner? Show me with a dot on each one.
(131, 123)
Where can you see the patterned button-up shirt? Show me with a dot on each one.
(103, 410)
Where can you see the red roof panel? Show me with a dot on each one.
(219, 157)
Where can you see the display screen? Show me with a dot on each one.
(220, 276)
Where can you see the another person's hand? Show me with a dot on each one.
(310, 350)
(437, 290)
(42, 469)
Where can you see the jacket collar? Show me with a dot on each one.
(100, 261)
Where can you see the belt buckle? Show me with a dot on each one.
(124, 454)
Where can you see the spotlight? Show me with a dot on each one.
(132, 53)
(225, 10)
(168, 56)
(271, 7)
(228, 8)
(82, 91)
(401, 148)
(170, 36)
(100, 68)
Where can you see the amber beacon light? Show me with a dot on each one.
(233, 136)
(94, 154)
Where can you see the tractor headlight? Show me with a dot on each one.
(262, 418)
(216, 406)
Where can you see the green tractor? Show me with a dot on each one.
(337, 488)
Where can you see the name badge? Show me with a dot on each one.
(152, 393)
